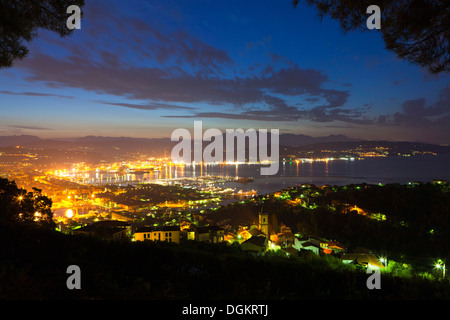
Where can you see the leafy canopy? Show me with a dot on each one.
(19, 205)
(417, 31)
(20, 20)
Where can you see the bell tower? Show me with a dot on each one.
(264, 223)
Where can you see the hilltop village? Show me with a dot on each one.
(255, 240)
(390, 227)
(246, 247)
(400, 228)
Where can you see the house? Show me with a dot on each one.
(332, 247)
(310, 246)
(229, 237)
(213, 234)
(255, 245)
(255, 232)
(307, 243)
(244, 234)
(315, 240)
(190, 233)
(166, 233)
(364, 259)
(319, 246)
(106, 230)
(285, 238)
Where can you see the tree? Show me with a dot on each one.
(417, 31)
(18, 205)
(20, 20)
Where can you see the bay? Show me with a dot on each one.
(333, 172)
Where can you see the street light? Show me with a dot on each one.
(440, 265)
(384, 260)
(69, 213)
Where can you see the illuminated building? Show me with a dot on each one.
(264, 223)
(166, 233)
(255, 245)
(213, 234)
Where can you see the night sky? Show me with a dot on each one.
(144, 68)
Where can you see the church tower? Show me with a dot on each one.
(264, 223)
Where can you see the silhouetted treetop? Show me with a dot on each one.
(20, 20)
(417, 31)
(19, 205)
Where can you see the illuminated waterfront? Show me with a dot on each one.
(100, 192)
(339, 172)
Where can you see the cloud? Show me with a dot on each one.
(147, 106)
(416, 112)
(414, 107)
(136, 60)
(34, 94)
(29, 127)
(267, 89)
(149, 40)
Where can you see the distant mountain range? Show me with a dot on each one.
(292, 140)
(161, 146)
(354, 148)
(299, 140)
(12, 141)
(90, 144)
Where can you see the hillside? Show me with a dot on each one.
(33, 265)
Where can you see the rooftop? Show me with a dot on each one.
(152, 229)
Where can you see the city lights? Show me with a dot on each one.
(134, 163)
(69, 213)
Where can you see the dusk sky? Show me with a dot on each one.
(144, 68)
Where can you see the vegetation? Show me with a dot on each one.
(416, 220)
(20, 20)
(18, 205)
(33, 265)
(408, 223)
(34, 258)
(417, 31)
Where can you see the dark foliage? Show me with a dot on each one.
(20, 20)
(417, 221)
(416, 228)
(417, 31)
(33, 265)
(34, 260)
(19, 205)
